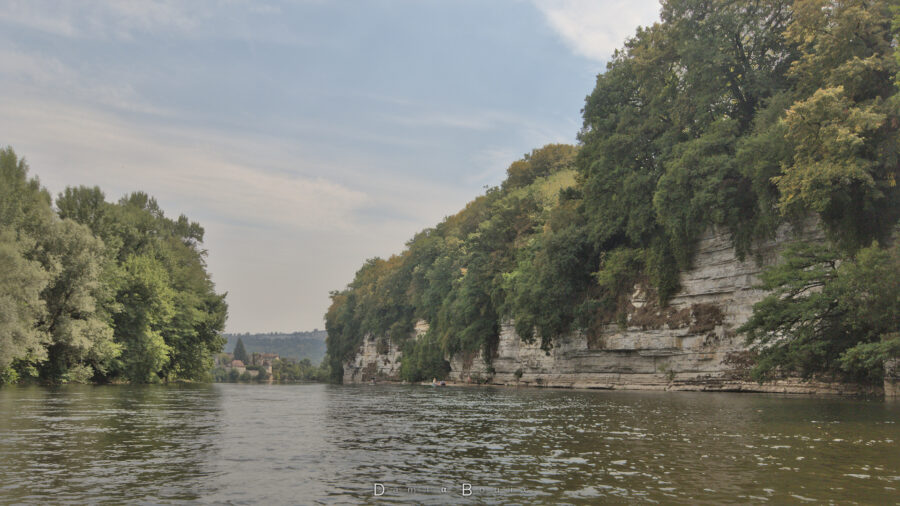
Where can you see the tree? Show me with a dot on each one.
(734, 115)
(146, 299)
(21, 284)
(541, 162)
(25, 217)
(81, 337)
(844, 125)
(240, 353)
(187, 330)
(84, 205)
(24, 204)
(827, 314)
(100, 290)
(423, 359)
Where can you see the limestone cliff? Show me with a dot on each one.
(378, 359)
(689, 345)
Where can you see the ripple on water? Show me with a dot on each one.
(317, 443)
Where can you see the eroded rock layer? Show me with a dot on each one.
(691, 344)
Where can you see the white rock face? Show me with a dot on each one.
(892, 379)
(690, 345)
(369, 364)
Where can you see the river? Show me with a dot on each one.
(302, 444)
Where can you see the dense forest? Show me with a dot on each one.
(743, 115)
(98, 291)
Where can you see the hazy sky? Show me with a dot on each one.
(305, 136)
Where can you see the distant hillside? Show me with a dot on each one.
(297, 345)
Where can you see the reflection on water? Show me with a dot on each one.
(317, 443)
(81, 443)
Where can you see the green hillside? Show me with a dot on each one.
(296, 345)
(744, 115)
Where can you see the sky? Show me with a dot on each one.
(305, 136)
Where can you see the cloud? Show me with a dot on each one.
(278, 241)
(102, 20)
(596, 28)
(299, 164)
(128, 20)
(90, 147)
(30, 73)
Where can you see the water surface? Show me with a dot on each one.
(301, 444)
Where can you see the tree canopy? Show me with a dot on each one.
(741, 115)
(240, 353)
(100, 291)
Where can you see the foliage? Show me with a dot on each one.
(296, 345)
(81, 337)
(25, 217)
(452, 276)
(545, 290)
(283, 370)
(422, 360)
(844, 125)
(736, 115)
(298, 370)
(541, 162)
(826, 315)
(100, 291)
(21, 306)
(240, 353)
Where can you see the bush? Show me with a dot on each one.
(8, 375)
(422, 360)
(828, 314)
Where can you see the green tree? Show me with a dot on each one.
(146, 300)
(190, 326)
(81, 338)
(25, 218)
(540, 162)
(844, 125)
(84, 205)
(423, 359)
(122, 290)
(21, 284)
(733, 115)
(240, 353)
(827, 314)
(24, 204)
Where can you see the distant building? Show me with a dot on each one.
(262, 358)
(238, 366)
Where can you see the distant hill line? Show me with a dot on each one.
(295, 345)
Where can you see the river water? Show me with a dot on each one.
(303, 444)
